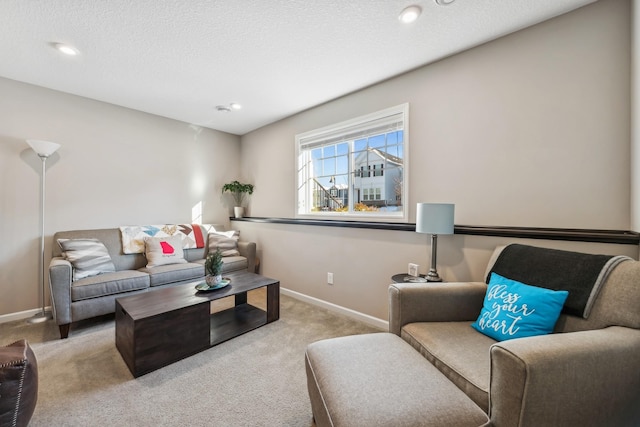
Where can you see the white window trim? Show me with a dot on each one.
(325, 132)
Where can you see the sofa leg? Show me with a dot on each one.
(64, 330)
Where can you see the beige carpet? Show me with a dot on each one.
(256, 379)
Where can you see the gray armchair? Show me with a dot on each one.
(586, 373)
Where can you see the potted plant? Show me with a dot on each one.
(213, 268)
(239, 191)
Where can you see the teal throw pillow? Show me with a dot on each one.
(515, 310)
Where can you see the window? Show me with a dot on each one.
(355, 168)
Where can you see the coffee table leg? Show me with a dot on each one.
(273, 302)
(241, 298)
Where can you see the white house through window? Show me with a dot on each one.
(355, 168)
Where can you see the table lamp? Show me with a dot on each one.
(434, 219)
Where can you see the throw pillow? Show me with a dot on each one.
(164, 250)
(89, 257)
(226, 241)
(515, 310)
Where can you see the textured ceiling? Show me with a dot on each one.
(181, 58)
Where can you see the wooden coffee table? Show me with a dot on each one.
(162, 326)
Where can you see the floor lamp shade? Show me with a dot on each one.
(434, 219)
(43, 149)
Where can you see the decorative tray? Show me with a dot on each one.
(202, 286)
(412, 279)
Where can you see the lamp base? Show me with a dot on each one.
(41, 317)
(433, 276)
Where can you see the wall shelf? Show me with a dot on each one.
(620, 237)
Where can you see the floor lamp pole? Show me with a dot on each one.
(43, 149)
(42, 316)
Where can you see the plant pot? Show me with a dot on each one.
(213, 280)
(238, 211)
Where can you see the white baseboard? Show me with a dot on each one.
(365, 318)
(20, 315)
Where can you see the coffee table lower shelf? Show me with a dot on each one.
(235, 321)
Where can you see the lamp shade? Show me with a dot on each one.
(43, 148)
(435, 218)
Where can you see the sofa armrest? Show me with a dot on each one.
(578, 378)
(248, 250)
(60, 286)
(434, 302)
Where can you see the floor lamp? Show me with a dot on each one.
(434, 219)
(44, 149)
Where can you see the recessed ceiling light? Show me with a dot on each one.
(444, 2)
(66, 49)
(410, 14)
(228, 108)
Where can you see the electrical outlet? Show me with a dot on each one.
(330, 278)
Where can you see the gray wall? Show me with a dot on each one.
(532, 129)
(635, 116)
(116, 167)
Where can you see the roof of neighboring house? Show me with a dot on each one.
(388, 157)
(339, 186)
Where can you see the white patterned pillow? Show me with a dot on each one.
(226, 241)
(164, 250)
(89, 257)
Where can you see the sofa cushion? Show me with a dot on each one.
(18, 384)
(231, 263)
(226, 241)
(234, 263)
(165, 274)
(458, 351)
(163, 251)
(133, 236)
(109, 284)
(111, 239)
(89, 257)
(515, 310)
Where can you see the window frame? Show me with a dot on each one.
(346, 127)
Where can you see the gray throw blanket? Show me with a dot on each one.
(580, 274)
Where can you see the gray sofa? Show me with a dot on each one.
(95, 296)
(585, 373)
